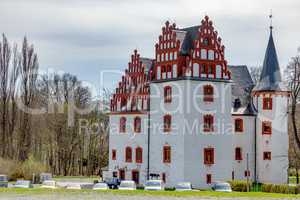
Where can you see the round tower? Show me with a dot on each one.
(270, 98)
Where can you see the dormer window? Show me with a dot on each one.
(206, 41)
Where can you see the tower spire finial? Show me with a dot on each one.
(271, 20)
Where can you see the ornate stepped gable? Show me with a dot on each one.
(132, 93)
(190, 52)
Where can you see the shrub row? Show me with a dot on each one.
(284, 189)
(240, 186)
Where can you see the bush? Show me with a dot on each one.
(283, 189)
(239, 186)
(266, 187)
(21, 170)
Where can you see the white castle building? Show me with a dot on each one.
(188, 116)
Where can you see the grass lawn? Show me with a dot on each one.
(12, 191)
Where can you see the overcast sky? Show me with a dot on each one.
(85, 37)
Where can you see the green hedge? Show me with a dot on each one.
(240, 186)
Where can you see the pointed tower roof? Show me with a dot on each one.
(270, 78)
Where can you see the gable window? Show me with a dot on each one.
(128, 154)
(266, 128)
(167, 154)
(267, 103)
(238, 125)
(137, 124)
(168, 94)
(167, 123)
(208, 178)
(206, 41)
(208, 156)
(208, 123)
(238, 153)
(208, 93)
(138, 155)
(267, 155)
(114, 154)
(122, 128)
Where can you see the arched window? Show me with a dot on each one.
(168, 94)
(137, 124)
(138, 155)
(238, 125)
(167, 154)
(128, 154)
(167, 123)
(122, 125)
(208, 93)
(208, 123)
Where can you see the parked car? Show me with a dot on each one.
(154, 185)
(3, 181)
(113, 183)
(184, 186)
(101, 186)
(23, 184)
(127, 185)
(49, 184)
(221, 187)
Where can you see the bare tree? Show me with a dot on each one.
(255, 74)
(28, 72)
(293, 79)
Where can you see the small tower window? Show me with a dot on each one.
(122, 128)
(208, 156)
(167, 154)
(267, 103)
(167, 123)
(137, 124)
(266, 128)
(208, 178)
(267, 155)
(238, 125)
(208, 92)
(238, 153)
(168, 94)
(208, 123)
(114, 154)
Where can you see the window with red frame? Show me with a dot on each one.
(138, 155)
(209, 156)
(137, 124)
(168, 94)
(163, 177)
(208, 93)
(238, 153)
(122, 125)
(210, 69)
(266, 128)
(167, 154)
(114, 154)
(167, 123)
(267, 155)
(208, 125)
(128, 154)
(267, 103)
(203, 69)
(238, 125)
(247, 173)
(208, 178)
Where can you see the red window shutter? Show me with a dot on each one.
(238, 153)
(208, 178)
(209, 156)
(167, 94)
(167, 154)
(208, 123)
(266, 128)
(239, 125)
(267, 103)
(247, 173)
(267, 155)
(122, 128)
(208, 93)
(167, 123)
